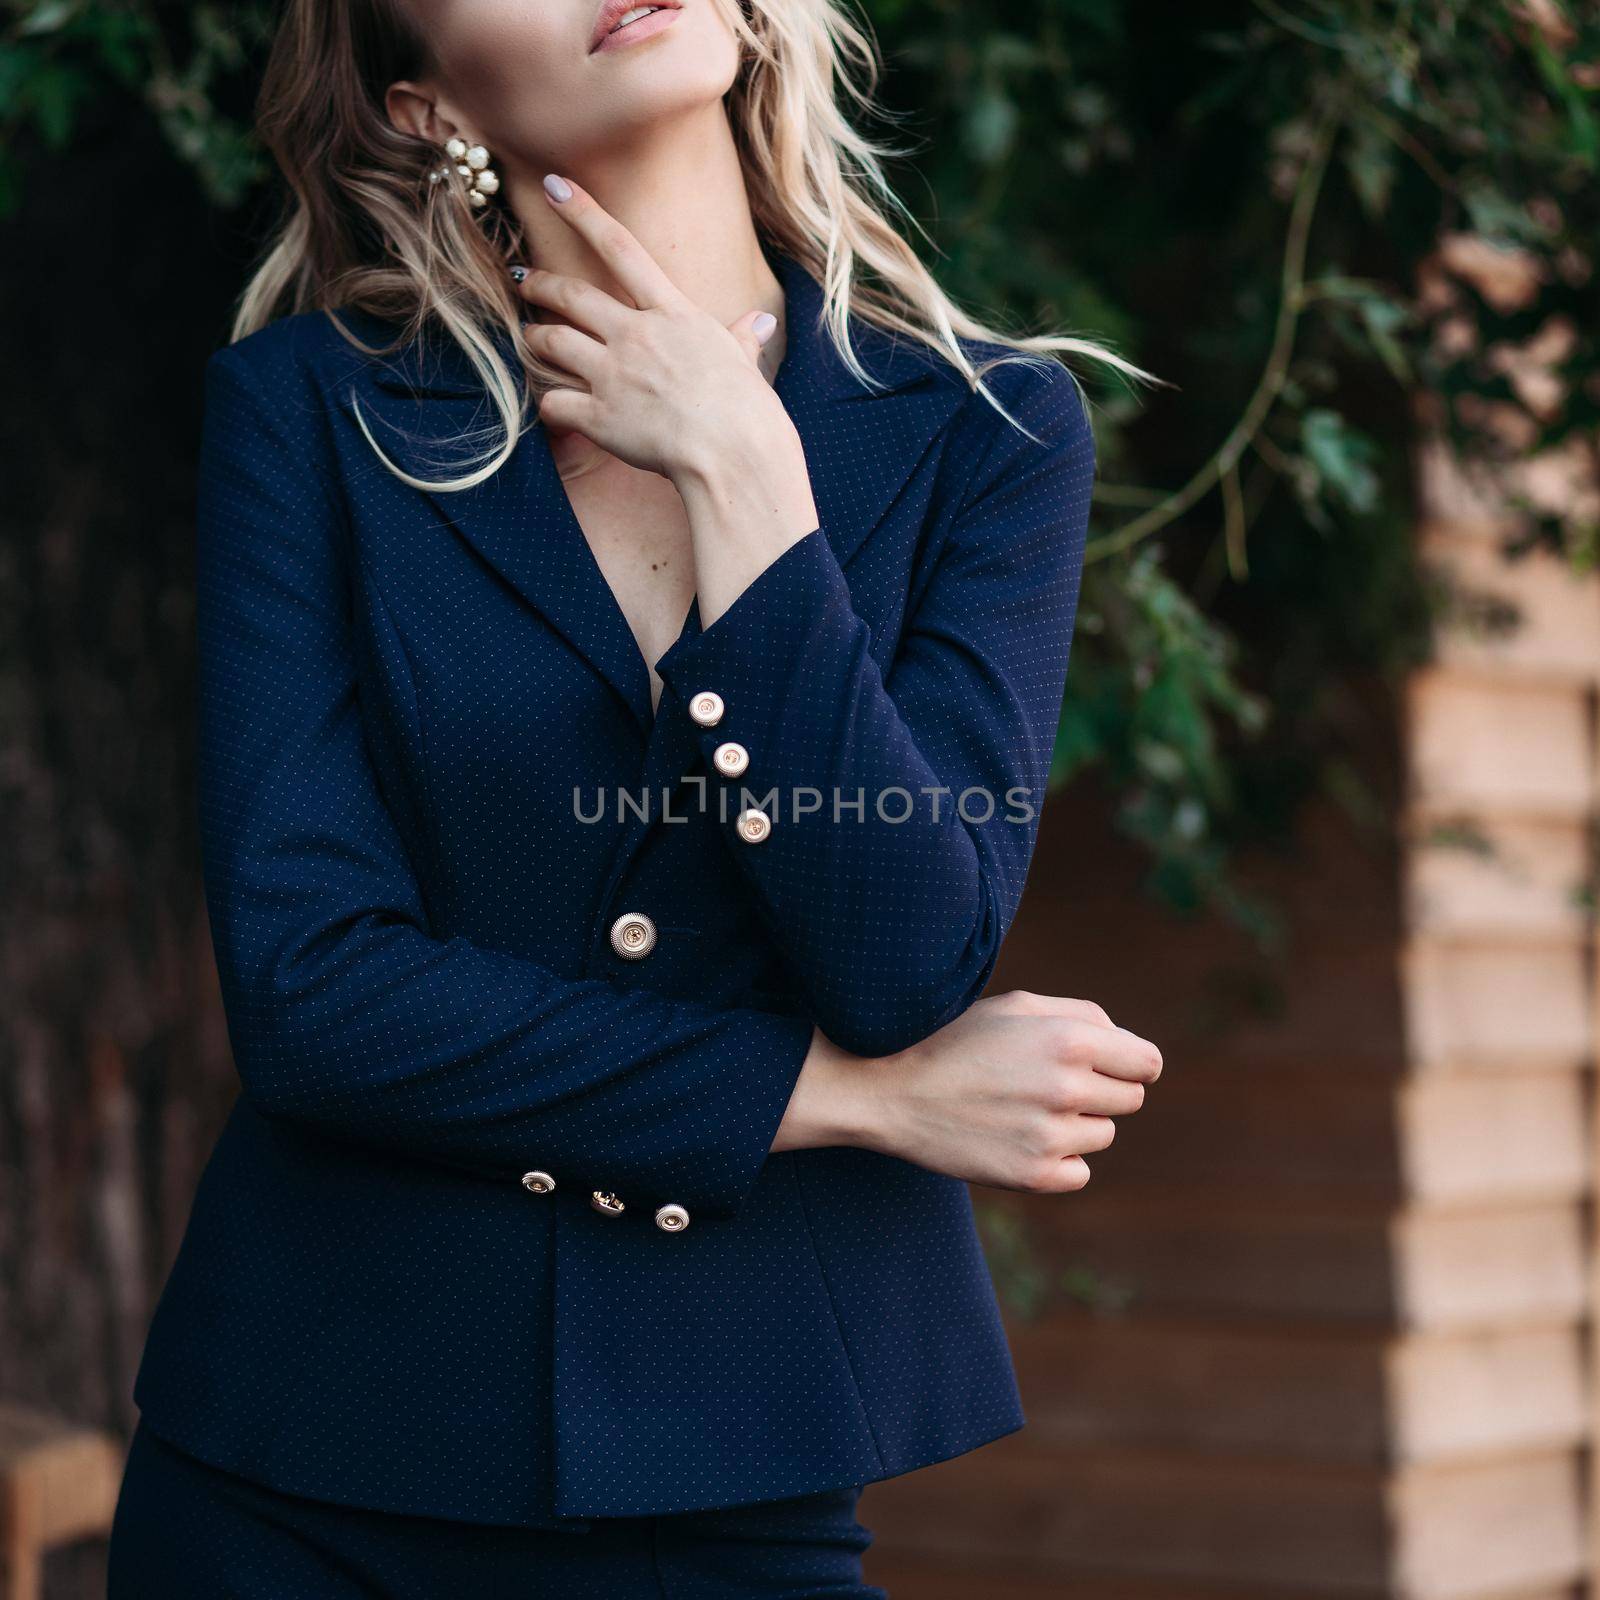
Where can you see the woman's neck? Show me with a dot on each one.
(679, 188)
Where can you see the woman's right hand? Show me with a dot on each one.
(1013, 1094)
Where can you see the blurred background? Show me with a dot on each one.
(1327, 789)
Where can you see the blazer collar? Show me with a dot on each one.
(861, 445)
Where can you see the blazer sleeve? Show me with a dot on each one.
(346, 1010)
(903, 805)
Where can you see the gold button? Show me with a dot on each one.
(604, 1200)
(706, 708)
(754, 825)
(672, 1218)
(633, 936)
(538, 1182)
(731, 760)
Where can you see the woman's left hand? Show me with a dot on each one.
(670, 388)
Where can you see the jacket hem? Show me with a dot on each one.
(898, 1469)
(563, 1518)
(206, 1450)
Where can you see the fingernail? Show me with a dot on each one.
(557, 187)
(764, 327)
(518, 274)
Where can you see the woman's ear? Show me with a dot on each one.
(414, 108)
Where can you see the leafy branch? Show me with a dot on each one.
(1221, 468)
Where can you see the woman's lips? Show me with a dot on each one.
(644, 28)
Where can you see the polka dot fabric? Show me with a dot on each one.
(431, 782)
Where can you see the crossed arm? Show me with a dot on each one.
(904, 806)
(348, 1012)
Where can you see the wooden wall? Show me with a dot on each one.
(1334, 1331)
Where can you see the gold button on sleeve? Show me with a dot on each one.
(706, 708)
(731, 760)
(607, 1203)
(754, 825)
(672, 1218)
(537, 1182)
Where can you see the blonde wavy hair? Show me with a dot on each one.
(365, 228)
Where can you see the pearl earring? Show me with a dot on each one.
(472, 162)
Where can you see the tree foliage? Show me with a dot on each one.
(1237, 195)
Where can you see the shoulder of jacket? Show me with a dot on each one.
(293, 375)
(1039, 390)
(1035, 410)
(302, 352)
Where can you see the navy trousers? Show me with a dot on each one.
(186, 1530)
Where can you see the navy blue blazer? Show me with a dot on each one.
(493, 1231)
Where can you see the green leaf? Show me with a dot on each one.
(1342, 457)
(50, 16)
(991, 126)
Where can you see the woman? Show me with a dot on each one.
(607, 834)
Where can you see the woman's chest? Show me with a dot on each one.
(511, 642)
(637, 531)
(507, 636)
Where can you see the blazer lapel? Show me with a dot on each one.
(861, 443)
(518, 519)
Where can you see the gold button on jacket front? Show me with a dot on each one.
(731, 760)
(633, 936)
